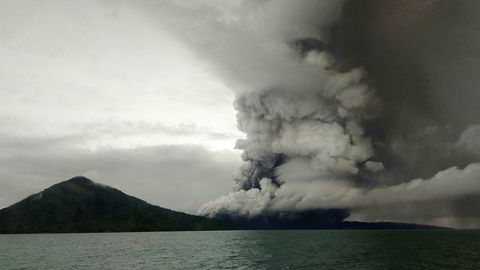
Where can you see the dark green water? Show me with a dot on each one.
(244, 250)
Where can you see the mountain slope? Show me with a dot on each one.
(80, 205)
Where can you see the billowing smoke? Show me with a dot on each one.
(300, 137)
(369, 106)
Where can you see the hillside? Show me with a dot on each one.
(81, 205)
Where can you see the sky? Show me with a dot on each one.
(98, 89)
(247, 107)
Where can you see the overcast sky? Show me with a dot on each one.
(96, 88)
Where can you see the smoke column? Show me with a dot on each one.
(298, 138)
(346, 104)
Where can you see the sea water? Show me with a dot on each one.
(449, 249)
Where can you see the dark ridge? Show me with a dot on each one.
(356, 225)
(318, 219)
(81, 205)
(321, 219)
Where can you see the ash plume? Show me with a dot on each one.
(356, 105)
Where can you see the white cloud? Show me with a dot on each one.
(68, 65)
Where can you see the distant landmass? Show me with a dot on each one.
(80, 205)
(320, 219)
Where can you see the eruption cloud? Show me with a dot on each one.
(336, 108)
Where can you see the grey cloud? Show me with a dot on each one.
(423, 58)
(314, 139)
(245, 42)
